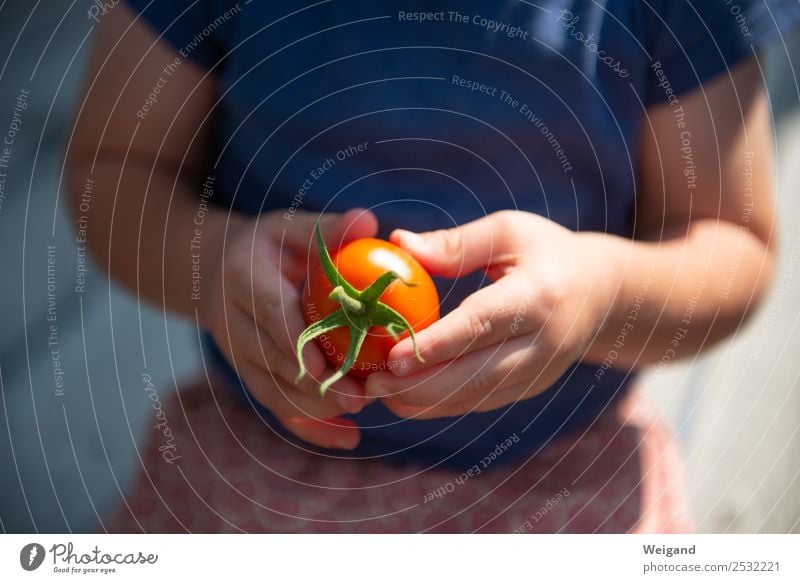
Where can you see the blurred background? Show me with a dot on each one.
(72, 401)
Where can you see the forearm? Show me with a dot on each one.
(677, 297)
(160, 238)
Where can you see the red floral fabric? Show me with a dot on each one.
(230, 473)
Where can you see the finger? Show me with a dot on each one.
(314, 421)
(494, 239)
(274, 300)
(274, 305)
(283, 399)
(289, 243)
(489, 316)
(266, 328)
(472, 377)
(347, 393)
(272, 313)
(296, 234)
(255, 345)
(334, 433)
(494, 401)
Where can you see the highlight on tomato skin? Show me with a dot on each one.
(336, 310)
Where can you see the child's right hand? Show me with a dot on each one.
(253, 313)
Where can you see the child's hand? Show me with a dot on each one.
(254, 316)
(510, 340)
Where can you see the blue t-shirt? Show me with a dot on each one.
(435, 114)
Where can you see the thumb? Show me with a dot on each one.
(298, 232)
(488, 242)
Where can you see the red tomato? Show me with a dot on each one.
(361, 262)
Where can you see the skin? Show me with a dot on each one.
(557, 296)
(147, 184)
(560, 296)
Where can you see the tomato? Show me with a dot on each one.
(360, 263)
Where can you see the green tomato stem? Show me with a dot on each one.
(350, 304)
(329, 268)
(360, 311)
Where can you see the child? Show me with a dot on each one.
(572, 174)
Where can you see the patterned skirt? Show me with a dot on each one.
(223, 470)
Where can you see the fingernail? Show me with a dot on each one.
(356, 404)
(374, 388)
(400, 367)
(343, 443)
(409, 239)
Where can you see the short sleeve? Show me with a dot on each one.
(692, 41)
(195, 28)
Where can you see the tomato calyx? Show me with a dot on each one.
(360, 310)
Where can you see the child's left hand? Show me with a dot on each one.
(512, 339)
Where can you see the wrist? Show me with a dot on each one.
(608, 269)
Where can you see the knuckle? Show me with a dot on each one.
(480, 327)
(275, 363)
(549, 298)
(506, 220)
(479, 386)
(268, 305)
(434, 350)
(551, 291)
(450, 240)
